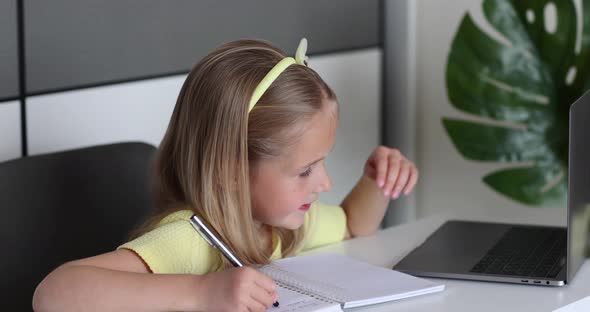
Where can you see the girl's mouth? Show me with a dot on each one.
(305, 207)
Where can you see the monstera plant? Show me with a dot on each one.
(517, 83)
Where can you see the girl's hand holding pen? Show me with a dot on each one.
(392, 172)
(238, 289)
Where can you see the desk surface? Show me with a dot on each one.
(389, 246)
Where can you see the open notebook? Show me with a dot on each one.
(331, 282)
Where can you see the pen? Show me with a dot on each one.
(213, 240)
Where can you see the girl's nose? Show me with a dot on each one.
(325, 182)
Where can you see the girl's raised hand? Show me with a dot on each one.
(237, 289)
(392, 172)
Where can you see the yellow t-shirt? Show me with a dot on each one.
(176, 247)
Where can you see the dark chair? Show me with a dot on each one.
(68, 205)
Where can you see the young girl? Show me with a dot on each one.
(245, 150)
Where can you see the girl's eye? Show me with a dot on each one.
(306, 173)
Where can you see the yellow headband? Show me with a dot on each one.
(272, 75)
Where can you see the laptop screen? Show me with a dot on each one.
(578, 184)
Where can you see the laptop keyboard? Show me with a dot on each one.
(526, 251)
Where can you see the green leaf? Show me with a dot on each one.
(539, 186)
(489, 79)
(521, 81)
(476, 141)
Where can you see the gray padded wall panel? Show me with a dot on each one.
(8, 50)
(72, 43)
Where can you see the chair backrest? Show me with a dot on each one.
(68, 205)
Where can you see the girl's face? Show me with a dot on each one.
(284, 187)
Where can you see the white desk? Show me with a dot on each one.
(389, 246)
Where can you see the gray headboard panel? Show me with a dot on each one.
(8, 50)
(73, 43)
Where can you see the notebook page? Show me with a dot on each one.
(303, 284)
(292, 301)
(358, 283)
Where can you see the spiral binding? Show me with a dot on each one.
(304, 285)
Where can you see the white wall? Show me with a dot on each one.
(10, 132)
(355, 77)
(448, 183)
(135, 111)
(140, 111)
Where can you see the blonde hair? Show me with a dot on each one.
(212, 141)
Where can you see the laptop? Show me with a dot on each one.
(523, 254)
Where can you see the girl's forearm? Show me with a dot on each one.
(87, 288)
(365, 207)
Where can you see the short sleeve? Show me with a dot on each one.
(324, 224)
(175, 247)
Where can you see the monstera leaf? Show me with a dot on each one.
(518, 85)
